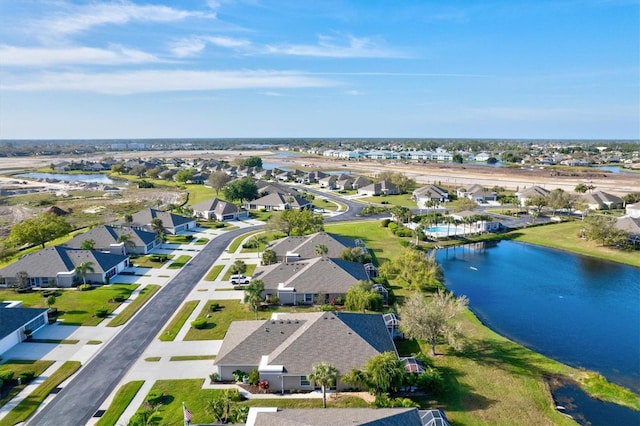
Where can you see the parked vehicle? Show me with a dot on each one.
(240, 279)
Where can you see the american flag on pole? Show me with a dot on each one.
(187, 414)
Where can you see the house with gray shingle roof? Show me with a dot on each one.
(304, 281)
(218, 209)
(173, 223)
(272, 416)
(600, 200)
(284, 349)
(106, 238)
(477, 193)
(385, 187)
(278, 201)
(14, 320)
(525, 194)
(55, 267)
(304, 247)
(430, 193)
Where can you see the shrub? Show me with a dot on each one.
(327, 308)
(385, 222)
(6, 376)
(238, 375)
(84, 287)
(27, 376)
(102, 312)
(199, 323)
(430, 381)
(155, 397)
(213, 377)
(117, 299)
(273, 299)
(405, 243)
(254, 377)
(214, 307)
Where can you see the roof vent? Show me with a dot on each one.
(266, 330)
(296, 322)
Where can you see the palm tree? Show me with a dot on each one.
(253, 295)
(83, 268)
(322, 250)
(127, 241)
(324, 374)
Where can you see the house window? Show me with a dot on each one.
(304, 381)
(308, 298)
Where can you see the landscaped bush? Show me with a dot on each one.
(6, 376)
(117, 299)
(273, 299)
(199, 323)
(84, 287)
(102, 312)
(251, 244)
(385, 222)
(431, 381)
(214, 307)
(254, 377)
(27, 376)
(238, 375)
(327, 308)
(213, 377)
(155, 397)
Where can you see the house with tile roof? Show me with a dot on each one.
(14, 320)
(278, 201)
(304, 281)
(106, 238)
(291, 249)
(55, 267)
(525, 194)
(285, 348)
(272, 416)
(173, 223)
(220, 210)
(385, 187)
(600, 200)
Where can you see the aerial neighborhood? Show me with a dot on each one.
(282, 284)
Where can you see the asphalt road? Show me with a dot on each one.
(82, 397)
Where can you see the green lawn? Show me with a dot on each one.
(236, 243)
(124, 316)
(201, 241)
(151, 260)
(19, 366)
(195, 398)
(564, 236)
(192, 357)
(249, 272)
(382, 244)
(120, 402)
(76, 307)
(324, 203)
(25, 408)
(172, 329)
(213, 273)
(402, 200)
(179, 262)
(180, 239)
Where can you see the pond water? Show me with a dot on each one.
(87, 178)
(579, 310)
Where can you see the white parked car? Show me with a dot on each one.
(240, 279)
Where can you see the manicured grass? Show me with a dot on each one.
(76, 307)
(236, 243)
(120, 402)
(229, 311)
(191, 357)
(249, 272)
(94, 342)
(171, 330)
(201, 241)
(19, 366)
(382, 244)
(179, 262)
(326, 204)
(195, 398)
(564, 236)
(149, 262)
(56, 341)
(153, 359)
(27, 406)
(213, 273)
(180, 239)
(402, 200)
(133, 306)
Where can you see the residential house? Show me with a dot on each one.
(172, 223)
(430, 194)
(477, 193)
(483, 157)
(473, 225)
(525, 194)
(304, 247)
(303, 281)
(278, 201)
(328, 182)
(272, 416)
(216, 209)
(14, 320)
(385, 187)
(285, 348)
(602, 201)
(107, 238)
(311, 177)
(631, 226)
(633, 210)
(56, 267)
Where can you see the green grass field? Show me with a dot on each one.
(172, 329)
(124, 316)
(121, 401)
(213, 273)
(402, 200)
(179, 262)
(18, 366)
(76, 307)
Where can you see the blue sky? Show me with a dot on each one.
(296, 68)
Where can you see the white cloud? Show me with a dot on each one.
(328, 46)
(81, 18)
(12, 56)
(149, 81)
(270, 93)
(228, 42)
(187, 47)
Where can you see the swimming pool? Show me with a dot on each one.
(444, 230)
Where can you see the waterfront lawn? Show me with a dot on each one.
(76, 307)
(121, 401)
(382, 244)
(19, 366)
(564, 236)
(196, 399)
